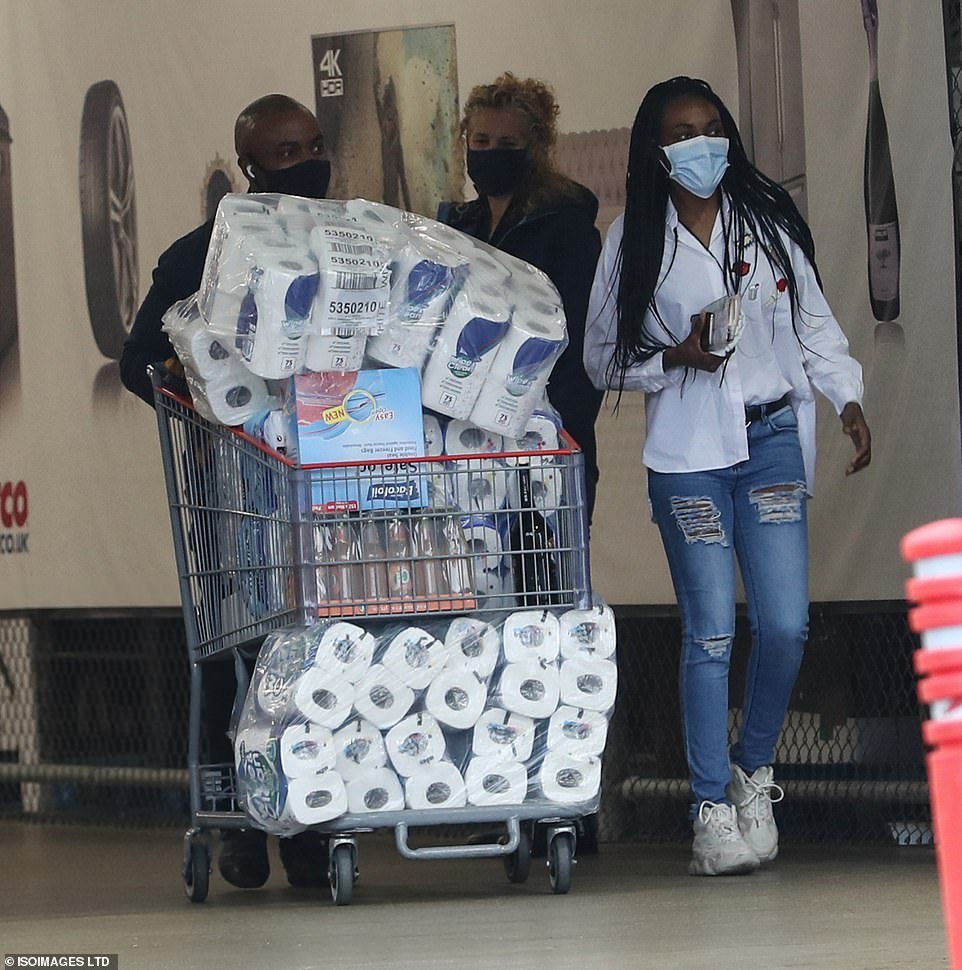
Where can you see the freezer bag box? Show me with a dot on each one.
(360, 417)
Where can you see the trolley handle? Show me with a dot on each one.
(484, 850)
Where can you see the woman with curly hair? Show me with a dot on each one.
(730, 443)
(527, 208)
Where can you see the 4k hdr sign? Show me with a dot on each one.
(14, 510)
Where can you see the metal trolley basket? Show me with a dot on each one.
(251, 534)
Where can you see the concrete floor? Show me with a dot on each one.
(69, 889)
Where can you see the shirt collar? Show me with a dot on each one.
(672, 221)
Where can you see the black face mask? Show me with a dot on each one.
(309, 179)
(497, 171)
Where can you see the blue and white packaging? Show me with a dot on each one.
(370, 419)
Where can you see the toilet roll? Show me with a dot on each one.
(474, 645)
(415, 657)
(530, 286)
(383, 222)
(232, 397)
(488, 273)
(492, 781)
(504, 735)
(381, 698)
(541, 433)
(359, 748)
(433, 436)
(547, 486)
(375, 790)
(519, 373)
(577, 731)
(569, 779)
(435, 786)
(317, 799)
(463, 438)
(531, 635)
(588, 633)
(306, 749)
(589, 682)
(281, 660)
(462, 354)
(530, 688)
(415, 742)
(343, 650)
(483, 543)
(425, 281)
(456, 698)
(342, 350)
(206, 352)
(402, 345)
(323, 699)
(274, 316)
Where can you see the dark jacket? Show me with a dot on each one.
(177, 275)
(559, 238)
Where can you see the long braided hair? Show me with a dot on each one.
(758, 207)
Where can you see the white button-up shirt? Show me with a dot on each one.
(695, 419)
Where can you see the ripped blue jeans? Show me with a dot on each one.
(755, 511)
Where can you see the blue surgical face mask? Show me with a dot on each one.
(698, 164)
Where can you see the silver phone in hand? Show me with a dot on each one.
(722, 324)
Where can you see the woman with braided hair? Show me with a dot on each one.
(730, 416)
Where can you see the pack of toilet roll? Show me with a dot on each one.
(355, 718)
(295, 285)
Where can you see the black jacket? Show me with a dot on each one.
(177, 275)
(559, 238)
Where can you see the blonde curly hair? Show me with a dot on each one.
(535, 105)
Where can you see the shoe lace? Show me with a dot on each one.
(763, 795)
(720, 820)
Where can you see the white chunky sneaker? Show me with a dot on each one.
(753, 796)
(718, 848)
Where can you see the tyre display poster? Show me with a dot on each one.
(123, 142)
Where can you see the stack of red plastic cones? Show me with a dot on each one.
(935, 550)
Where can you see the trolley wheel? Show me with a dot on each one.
(342, 874)
(560, 858)
(518, 864)
(197, 871)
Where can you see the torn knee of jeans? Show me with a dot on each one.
(699, 519)
(716, 647)
(776, 504)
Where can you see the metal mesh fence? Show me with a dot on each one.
(93, 725)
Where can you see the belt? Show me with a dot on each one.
(754, 412)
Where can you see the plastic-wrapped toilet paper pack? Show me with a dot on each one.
(306, 749)
(425, 281)
(504, 735)
(531, 635)
(588, 633)
(359, 748)
(461, 355)
(494, 781)
(197, 347)
(401, 345)
(342, 650)
(456, 698)
(541, 433)
(414, 743)
(569, 779)
(323, 699)
(589, 682)
(234, 396)
(547, 486)
(415, 657)
(474, 645)
(519, 372)
(381, 697)
(433, 436)
(462, 438)
(316, 799)
(434, 786)
(577, 731)
(375, 790)
(531, 687)
(484, 542)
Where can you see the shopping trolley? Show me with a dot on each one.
(262, 543)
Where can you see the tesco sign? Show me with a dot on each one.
(14, 509)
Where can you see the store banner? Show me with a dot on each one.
(124, 142)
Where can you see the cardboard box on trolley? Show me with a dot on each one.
(371, 420)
